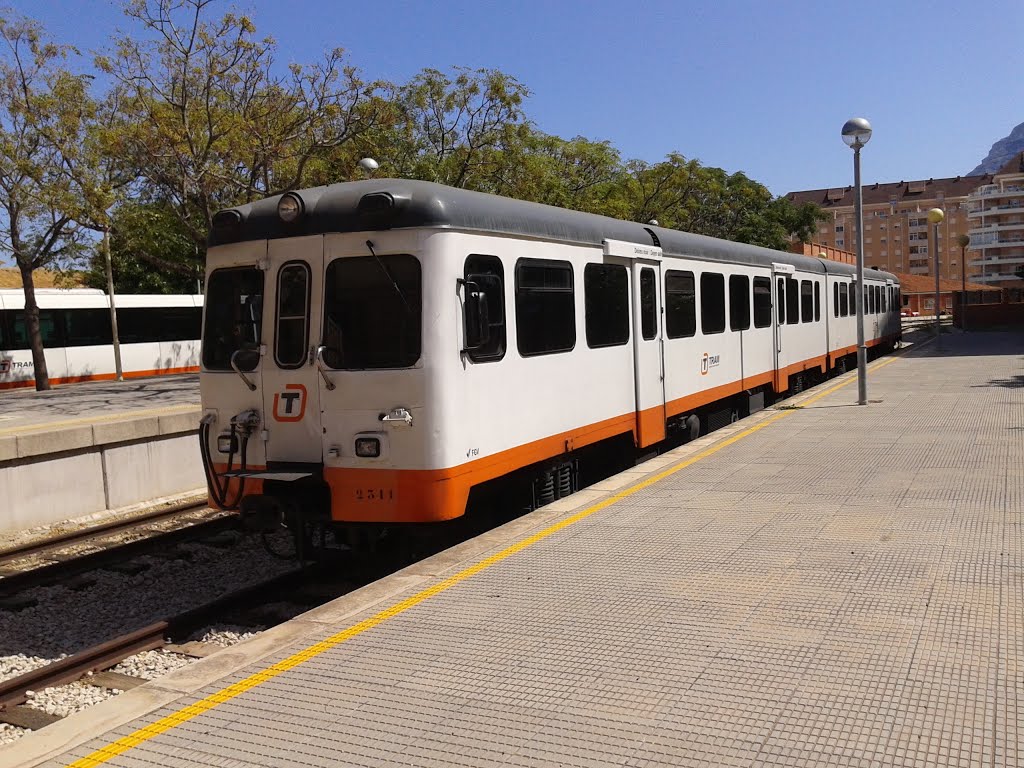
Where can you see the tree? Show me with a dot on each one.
(44, 110)
(454, 128)
(207, 122)
(151, 252)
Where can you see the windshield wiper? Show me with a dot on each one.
(408, 309)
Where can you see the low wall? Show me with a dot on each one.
(52, 475)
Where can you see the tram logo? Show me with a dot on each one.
(707, 362)
(6, 363)
(290, 405)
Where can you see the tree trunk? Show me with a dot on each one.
(35, 337)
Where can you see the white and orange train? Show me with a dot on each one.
(157, 334)
(390, 351)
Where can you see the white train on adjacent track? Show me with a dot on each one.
(388, 351)
(158, 335)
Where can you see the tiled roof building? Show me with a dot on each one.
(896, 229)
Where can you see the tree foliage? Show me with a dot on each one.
(44, 112)
(199, 116)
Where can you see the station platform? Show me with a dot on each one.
(24, 410)
(85, 450)
(820, 584)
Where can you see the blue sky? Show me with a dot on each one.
(758, 87)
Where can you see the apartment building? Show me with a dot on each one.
(896, 229)
(995, 211)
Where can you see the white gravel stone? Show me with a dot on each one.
(66, 699)
(9, 733)
(150, 665)
(65, 621)
(226, 635)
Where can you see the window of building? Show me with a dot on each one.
(488, 274)
(545, 308)
(739, 302)
(712, 303)
(762, 302)
(840, 228)
(680, 304)
(606, 302)
(648, 303)
(373, 312)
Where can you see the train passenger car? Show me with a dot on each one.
(157, 334)
(388, 351)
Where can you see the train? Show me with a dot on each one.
(158, 335)
(389, 353)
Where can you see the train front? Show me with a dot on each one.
(313, 382)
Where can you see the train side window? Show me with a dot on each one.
(780, 299)
(884, 294)
(817, 301)
(606, 304)
(648, 304)
(680, 304)
(835, 299)
(489, 274)
(291, 339)
(792, 301)
(6, 337)
(373, 307)
(234, 317)
(49, 328)
(87, 327)
(844, 303)
(878, 299)
(545, 307)
(762, 302)
(851, 288)
(712, 303)
(806, 301)
(739, 302)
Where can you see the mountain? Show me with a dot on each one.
(1002, 152)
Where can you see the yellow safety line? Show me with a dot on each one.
(175, 719)
(44, 426)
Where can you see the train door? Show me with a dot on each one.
(291, 400)
(782, 278)
(648, 352)
(647, 331)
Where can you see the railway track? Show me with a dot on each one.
(91, 663)
(52, 559)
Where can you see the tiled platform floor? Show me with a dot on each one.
(73, 404)
(842, 586)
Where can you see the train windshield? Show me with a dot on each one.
(372, 312)
(234, 316)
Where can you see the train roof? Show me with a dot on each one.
(90, 298)
(375, 204)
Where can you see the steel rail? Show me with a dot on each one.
(46, 574)
(71, 668)
(96, 531)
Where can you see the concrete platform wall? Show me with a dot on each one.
(49, 475)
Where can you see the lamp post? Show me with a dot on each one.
(963, 241)
(857, 133)
(935, 217)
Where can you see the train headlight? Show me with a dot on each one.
(227, 443)
(367, 447)
(289, 207)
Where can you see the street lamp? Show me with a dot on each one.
(857, 133)
(963, 241)
(935, 217)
